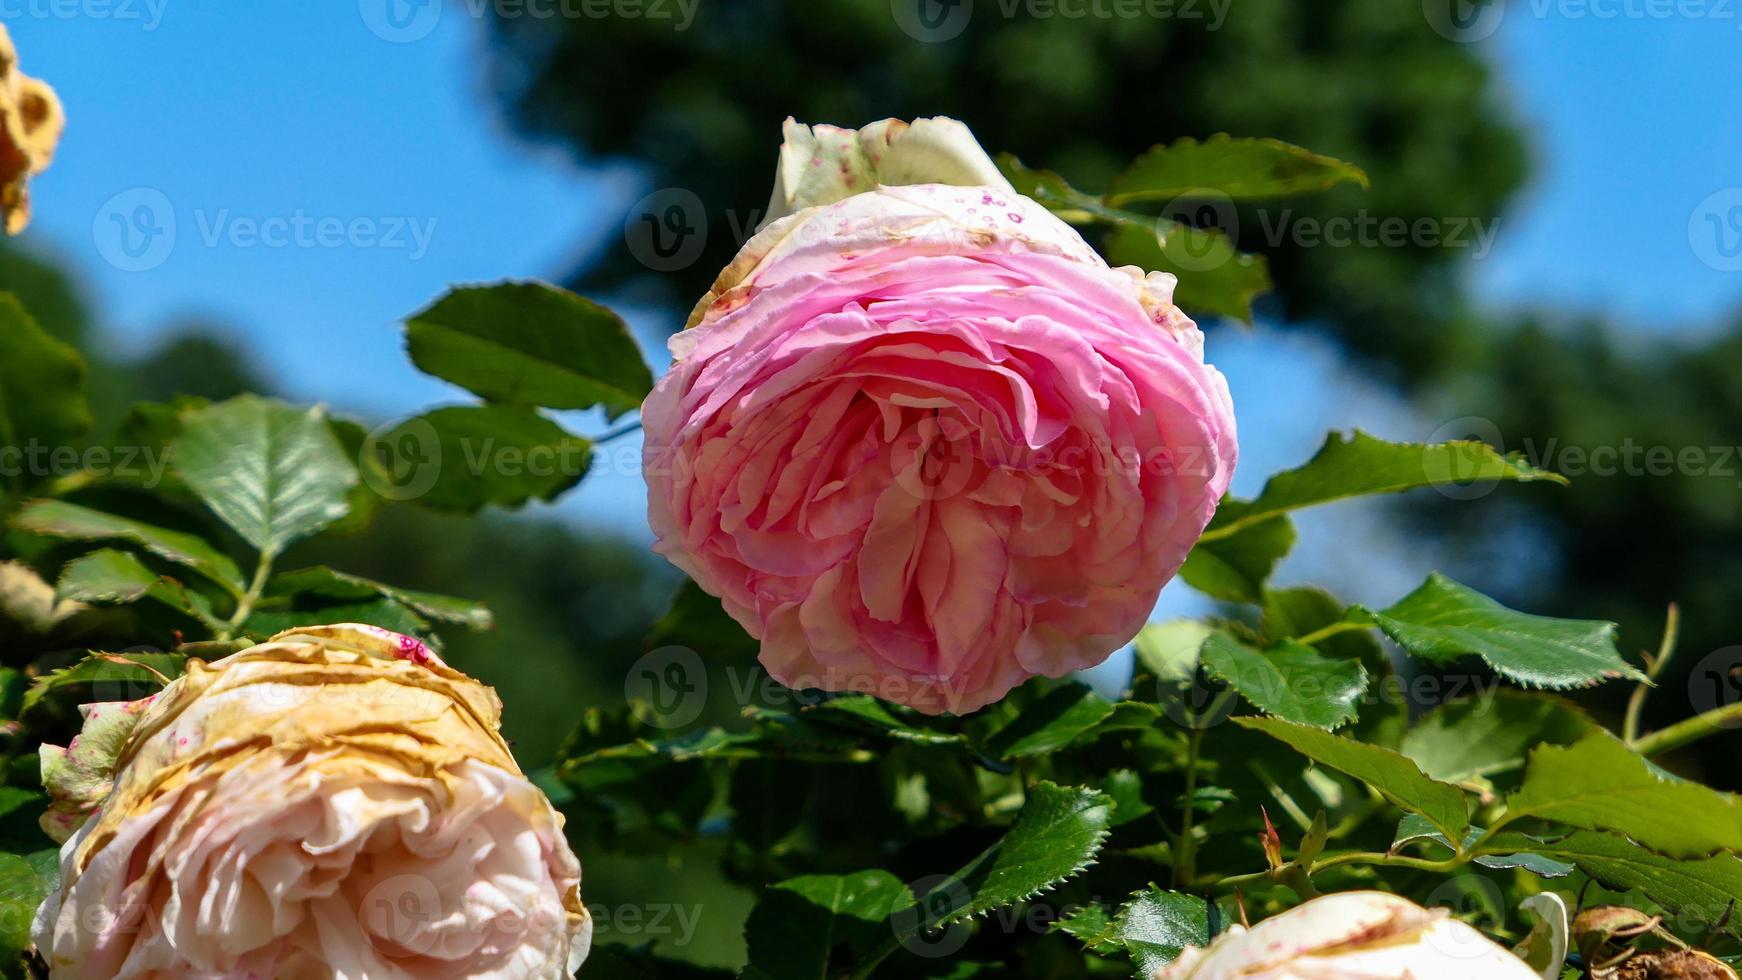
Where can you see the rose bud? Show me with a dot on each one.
(30, 128)
(922, 441)
(334, 803)
(1352, 936)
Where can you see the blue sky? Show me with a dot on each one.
(236, 121)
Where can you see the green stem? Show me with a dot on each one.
(1326, 632)
(1392, 861)
(245, 605)
(1185, 855)
(1687, 732)
(1665, 650)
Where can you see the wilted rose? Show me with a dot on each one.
(921, 440)
(30, 127)
(334, 803)
(1352, 936)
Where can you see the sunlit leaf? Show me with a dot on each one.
(272, 472)
(1443, 620)
(529, 343)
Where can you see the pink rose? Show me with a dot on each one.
(921, 440)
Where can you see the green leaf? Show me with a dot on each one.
(25, 880)
(863, 713)
(821, 925)
(1289, 680)
(1092, 924)
(1359, 464)
(528, 343)
(1239, 168)
(332, 584)
(1234, 568)
(1704, 889)
(389, 614)
(1393, 775)
(133, 676)
(1598, 783)
(1480, 737)
(273, 473)
(110, 575)
(59, 519)
(1443, 620)
(1156, 925)
(1065, 714)
(1056, 835)
(1171, 650)
(1214, 276)
(1414, 827)
(505, 455)
(697, 620)
(105, 575)
(42, 388)
(1125, 788)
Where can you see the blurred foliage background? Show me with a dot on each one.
(1366, 82)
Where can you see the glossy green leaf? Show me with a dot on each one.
(272, 472)
(332, 584)
(1063, 715)
(59, 519)
(1598, 783)
(1289, 680)
(1393, 775)
(821, 925)
(529, 343)
(1056, 835)
(470, 456)
(1235, 568)
(1358, 464)
(1156, 925)
(1238, 168)
(1443, 620)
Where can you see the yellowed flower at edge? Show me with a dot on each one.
(335, 802)
(31, 122)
